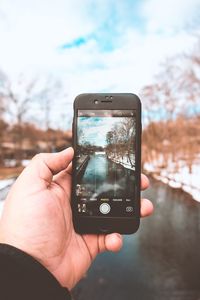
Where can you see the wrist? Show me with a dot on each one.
(26, 276)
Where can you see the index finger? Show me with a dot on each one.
(144, 182)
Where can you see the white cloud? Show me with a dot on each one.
(95, 132)
(32, 31)
(130, 67)
(169, 16)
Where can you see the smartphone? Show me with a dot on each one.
(107, 163)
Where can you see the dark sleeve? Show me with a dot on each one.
(24, 278)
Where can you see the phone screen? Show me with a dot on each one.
(105, 163)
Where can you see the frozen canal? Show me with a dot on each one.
(160, 262)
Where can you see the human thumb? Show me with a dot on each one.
(44, 165)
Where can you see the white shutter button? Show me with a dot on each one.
(104, 208)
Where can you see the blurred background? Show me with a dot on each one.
(50, 51)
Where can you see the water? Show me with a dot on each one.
(161, 261)
(105, 180)
(102, 174)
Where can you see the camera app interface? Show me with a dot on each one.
(105, 162)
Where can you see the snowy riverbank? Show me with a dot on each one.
(6, 182)
(5, 185)
(124, 161)
(178, 177)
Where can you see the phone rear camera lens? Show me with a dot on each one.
(96, 101)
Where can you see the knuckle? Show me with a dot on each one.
(38, 157)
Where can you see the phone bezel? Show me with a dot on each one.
(90, 224)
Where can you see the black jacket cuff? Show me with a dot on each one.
(24, 278)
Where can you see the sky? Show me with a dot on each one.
(95, 129)
(94, 46)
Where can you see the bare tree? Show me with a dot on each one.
(48, 98)
(120, 141)
(190, 83)
(3, 80)
(17, 99)
(126, 133)
(172, 112)
(151, 98)
(3, 124)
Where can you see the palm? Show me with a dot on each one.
(45, 230)
(37, 219)
(66, 249)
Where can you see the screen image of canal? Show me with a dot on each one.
(105, 162)
(105, 180)
(160, 262)
(104, 177)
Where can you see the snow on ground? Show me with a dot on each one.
(124, 161)
(12, 162)
(5, 186)
(178, 176)
(6, 182)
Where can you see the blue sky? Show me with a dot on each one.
(110, 23)
(95, 128)
(94, 46)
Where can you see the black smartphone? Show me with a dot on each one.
(107, 163)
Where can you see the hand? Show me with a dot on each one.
(37, 219)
